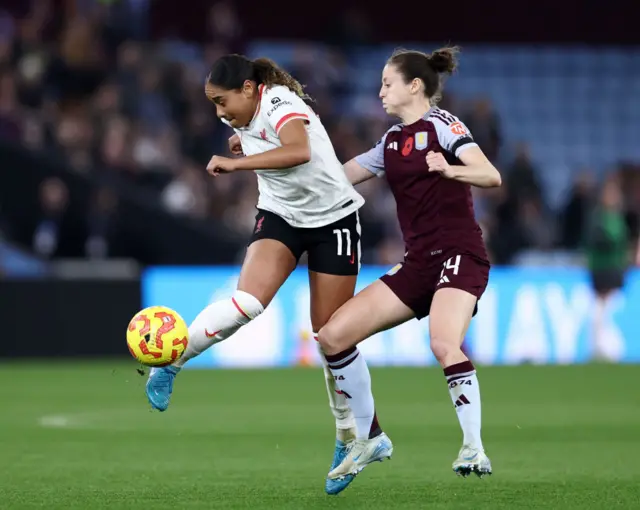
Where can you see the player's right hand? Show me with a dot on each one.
(234, 145)
(221, 165)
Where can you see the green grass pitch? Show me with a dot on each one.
(81, 436)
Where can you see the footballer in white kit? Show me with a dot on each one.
(312, 194)
(303, 206)
(306, 204)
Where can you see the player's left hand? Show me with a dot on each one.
(437, 163)
(220, 165)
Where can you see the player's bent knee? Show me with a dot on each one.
(248, 305)
(443, 349)
(330, 341)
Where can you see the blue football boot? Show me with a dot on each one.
(337, 486)
(160, 386)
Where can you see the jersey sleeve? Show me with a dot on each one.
(280, 106)
(453, 135)
(373, 159)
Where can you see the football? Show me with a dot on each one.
(157, 336)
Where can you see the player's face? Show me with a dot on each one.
(395, 93)
(236, 106)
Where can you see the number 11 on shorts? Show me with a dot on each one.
(347, 235)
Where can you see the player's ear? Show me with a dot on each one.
(249, 88)
(416, 85)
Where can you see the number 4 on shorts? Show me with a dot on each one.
(452, 263)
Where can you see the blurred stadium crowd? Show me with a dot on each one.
(92, 92)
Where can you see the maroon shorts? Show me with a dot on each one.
(415, 282)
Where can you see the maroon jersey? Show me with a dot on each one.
(435, 213)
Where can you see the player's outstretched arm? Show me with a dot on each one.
(477, 170)
(366, 165)
(356, 173)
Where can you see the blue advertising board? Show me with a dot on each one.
(527, 315)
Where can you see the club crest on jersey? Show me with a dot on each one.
(422, 140)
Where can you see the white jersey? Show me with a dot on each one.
(310, 195)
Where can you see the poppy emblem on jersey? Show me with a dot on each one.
(458, 129)
(263, 134)
(408, 146)
(422, 140)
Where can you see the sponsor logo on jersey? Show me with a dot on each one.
(422, 140)
(275, 100)
(263, 134)
(278, 104)
(458, 129)
(392, 146)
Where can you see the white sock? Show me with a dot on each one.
(345, 422)
(219, 321)
(351, 374)
(465, 395)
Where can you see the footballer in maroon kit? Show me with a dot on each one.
(443, 241)
(430, 161)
